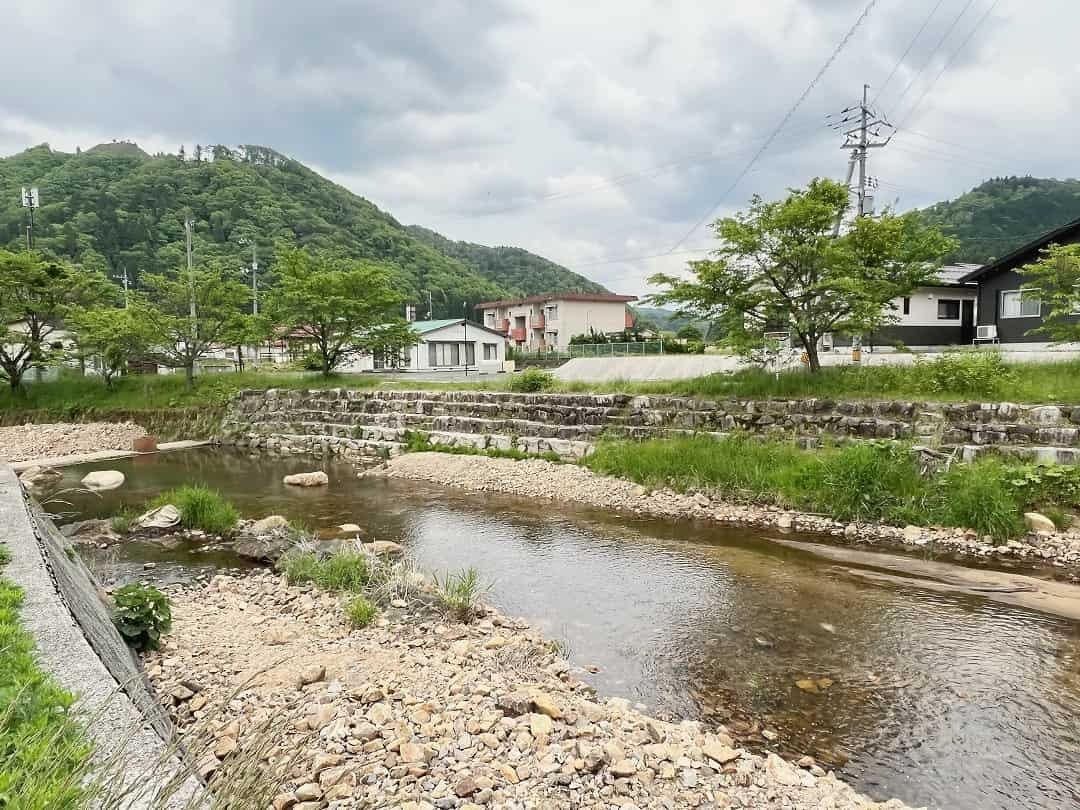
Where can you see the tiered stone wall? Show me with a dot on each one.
(376, 423)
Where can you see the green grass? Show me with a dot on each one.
(344, 571)
(360, 611)
(44, 752)
(121, 521)
(861, 481)
(200, 508)
(460, 593)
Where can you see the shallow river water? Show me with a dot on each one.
(941, 699)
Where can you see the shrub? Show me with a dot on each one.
(121, 522)
(142, 615)
(967, 373)
(531, 380)
(979, 496)
(460, 593)
(360, 611)
(343, 571)
(864, 481)
(200, 508)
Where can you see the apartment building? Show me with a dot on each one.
(547, 322)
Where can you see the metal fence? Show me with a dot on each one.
(617, 349)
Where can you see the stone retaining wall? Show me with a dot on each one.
(78, 645)
(376, 423)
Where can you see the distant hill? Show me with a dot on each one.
(114, 207)
(667, 320)
(521, 272)
(1004, 213)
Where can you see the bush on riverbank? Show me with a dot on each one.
(200, 508)
(44, 752)
(344, 571)
(141, 615)
(869, 481)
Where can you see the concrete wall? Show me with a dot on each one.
(78, 645)
(376, 423)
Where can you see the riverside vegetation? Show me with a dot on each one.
(867, 481)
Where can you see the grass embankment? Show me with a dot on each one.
(44, 752)
(953, 376)
(873, 481)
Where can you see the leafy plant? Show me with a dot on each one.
(531, 380)
(360, 611)
(200, 508)
(968, 373)
(121, 521)
(142, 615)
(460, 593)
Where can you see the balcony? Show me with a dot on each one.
(537, 321)
(517, 334)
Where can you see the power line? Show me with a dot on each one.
(933, 52)
(904, 55)
(783, 122)
(949, 61)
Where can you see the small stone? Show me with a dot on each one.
(718, 752)
(624, 767)
(284, 801)
(180, 693)
(540, 724)
(268, 524)
(309, 792)
(543, 703)
(224, 747)
(312, 674)
(308, 479)
(514, 703)
(466, 787)
(808, 685)
(411, 752)
(349, 528)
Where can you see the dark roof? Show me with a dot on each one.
(953, 275)
(1027, 253)
(610, 298)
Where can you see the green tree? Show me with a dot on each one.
(1055, 281)
(180, 339)
(343, 307)
(36, 294)
(114, 336)
(779, 267)
(690, 332)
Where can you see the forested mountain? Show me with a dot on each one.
(521, 272)
(114, 207)
(1004, 213)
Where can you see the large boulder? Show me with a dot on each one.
(1038, 522)
(164, 517)
(40, 477)
(102, 480)
(268, 524)
(266, 548)
(308, 479)
(97, 531)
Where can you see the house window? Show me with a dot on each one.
(491, 351)
(450, 354)
(948, 309)
(1019, 304)
(551, 312)
(907, 305)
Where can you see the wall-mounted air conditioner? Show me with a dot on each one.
(988, 332)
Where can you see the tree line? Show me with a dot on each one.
(338, 307)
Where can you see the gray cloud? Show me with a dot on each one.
(584, 132)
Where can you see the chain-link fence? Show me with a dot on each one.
(617, 349)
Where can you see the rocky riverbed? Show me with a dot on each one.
(419, 712)
(568, 482)
(28, 442)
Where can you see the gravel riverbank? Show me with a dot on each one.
(27, 442)
(417, 712)
(568, 482)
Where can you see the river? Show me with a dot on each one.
(943, 699)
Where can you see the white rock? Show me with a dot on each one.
(308, 479)
(164, 517)
(1038, 522)
(101, 480)
(268, 524)
(349, 528)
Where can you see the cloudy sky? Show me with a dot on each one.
(593, 133)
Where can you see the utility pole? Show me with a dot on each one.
(124, 280)
(30, 201)
(871, 131)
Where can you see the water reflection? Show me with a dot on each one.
(941, 699)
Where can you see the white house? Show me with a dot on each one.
(451, 344)
(547, 322)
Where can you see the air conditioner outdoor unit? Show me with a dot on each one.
(988, 332)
